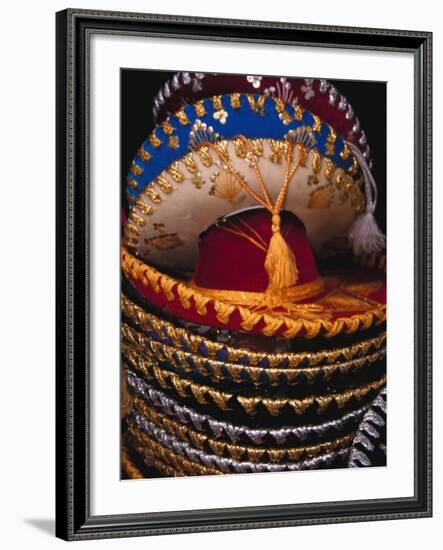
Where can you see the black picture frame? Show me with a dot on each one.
(73, 517)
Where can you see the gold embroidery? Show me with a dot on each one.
(131, 241)
(144, 208)
(205, 156)
(298, 112)
(339, 178)
(217, 103)
(175, 172)
(330, 141)
(226, 188)
(143, 154)
(169, 380)
(345, 152)
(352, 170)
(317, 124)
(321, 198)
(218, 370)
(278, 150)
(129, 468)
(138, 220)
(168, 129)
(198, 181)
(152, 195)
(130, 228)
(254, 454)
(190, 163)
(132, 183)
(235, 101)
(199, 107)
(148, 322)
(222, 147)
(240, 148)
(182, 117)
(136, 170)
(164, 184)
(279, 105)
(173, 142)
(257, 146)
(309, 327)
(164, 459)
(316, 161)
(154, 140)
(304, 135)
(256, 105)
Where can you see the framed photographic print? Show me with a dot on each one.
(243, 274)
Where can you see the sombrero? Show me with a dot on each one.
(316, 95)
(243, 281)
(369, 444)
(223, 374)
(235, 199)
(237, 152)
(181, 339)
(239, 432)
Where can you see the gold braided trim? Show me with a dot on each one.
(128, 467)
(137, 270)
(255, 299)
(205, 395)
(148, 322)
(150, 349)
(157, 455)
(238, 452)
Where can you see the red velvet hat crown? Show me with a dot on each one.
(232, 252)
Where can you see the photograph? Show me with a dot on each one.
(253, 273)
(244, 274)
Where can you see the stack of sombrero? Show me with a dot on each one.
(249, 342)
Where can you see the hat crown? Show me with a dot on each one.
(232, 252)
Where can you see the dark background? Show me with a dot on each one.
(138, 88)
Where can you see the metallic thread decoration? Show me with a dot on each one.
(189, 416)
(349, 113)
(323, 86)
(228, 464)
(175, 82)
(368, 433)
(342, 103)
(332, 95)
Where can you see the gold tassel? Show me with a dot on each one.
(280, 261)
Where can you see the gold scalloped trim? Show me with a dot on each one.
(205, 443)
(128, 466)
(149, 276)
(156, 454)
(148, 322)
(205, 395)
(219, 370)
(166, 461)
